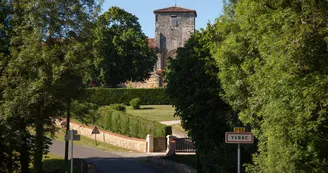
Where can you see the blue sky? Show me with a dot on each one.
(207, 10)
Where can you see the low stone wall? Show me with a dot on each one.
(110, 138)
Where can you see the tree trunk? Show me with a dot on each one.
(38, 144)
(10, 164)
(68, 120)
(199, 165)
(24, 153)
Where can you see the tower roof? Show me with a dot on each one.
(175, 9)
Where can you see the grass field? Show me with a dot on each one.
(53, 164)
(91, 143)
(154, 112)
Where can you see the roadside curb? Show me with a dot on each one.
(171, 165)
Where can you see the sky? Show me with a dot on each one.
(207, 10)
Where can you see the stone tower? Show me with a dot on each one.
(173, 27)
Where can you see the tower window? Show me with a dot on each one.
(156, 18)
(174, 21)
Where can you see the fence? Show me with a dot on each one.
(184, 145)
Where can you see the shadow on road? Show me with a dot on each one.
(126, 165)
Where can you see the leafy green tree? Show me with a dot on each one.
(195, 89)
(44, 69)
(120, 49)
(14, 136)
(273, 70)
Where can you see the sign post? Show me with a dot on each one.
(72, 136)
(239, 136)
(95, 131)
(72, 139)
(238, 155)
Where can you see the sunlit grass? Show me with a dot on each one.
(154, 112)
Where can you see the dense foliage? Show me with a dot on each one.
(135, 103)
(107, 96)
(273, 60)
(129, 125)
(195, 90)
(121, 49)
(118, 107)
(41, 67)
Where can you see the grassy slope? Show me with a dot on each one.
(157, 113)
(154, 112)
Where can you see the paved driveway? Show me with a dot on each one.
(107, 162)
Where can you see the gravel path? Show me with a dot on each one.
(169, 123)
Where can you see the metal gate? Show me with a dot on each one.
(184, 145)
(160, 144)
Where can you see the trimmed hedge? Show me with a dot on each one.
(129, 125)
(118, 107)
(107, 96)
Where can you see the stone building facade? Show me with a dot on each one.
(173, 27)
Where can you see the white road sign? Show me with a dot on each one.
(239, 137)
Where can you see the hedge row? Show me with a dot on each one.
(129, 125)
(107, 96)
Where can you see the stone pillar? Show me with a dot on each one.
(169, 139)
(150, 143)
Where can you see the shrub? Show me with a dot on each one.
(107, 96)
(129, 125)
(135, 103)
(84, 112)
(118, 107)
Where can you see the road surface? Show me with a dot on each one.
(107, 162)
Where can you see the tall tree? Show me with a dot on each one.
(46, 63)
(14, 135)
(273, 69)
(120, 48)
(195, 90)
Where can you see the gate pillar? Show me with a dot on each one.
(150, 143)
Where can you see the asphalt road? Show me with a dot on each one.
(107, 162)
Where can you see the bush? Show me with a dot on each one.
(84, 112)
(107, 96)
(135, 103)
(118, 107)
(129, 125)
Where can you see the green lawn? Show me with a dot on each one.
(53, 164)
(154, 112)
(91, 143)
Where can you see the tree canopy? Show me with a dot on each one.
(272, 61)
(120, 49)
(43, 70)
(195, 90)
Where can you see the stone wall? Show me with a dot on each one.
(152, 82)
(110, 138)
